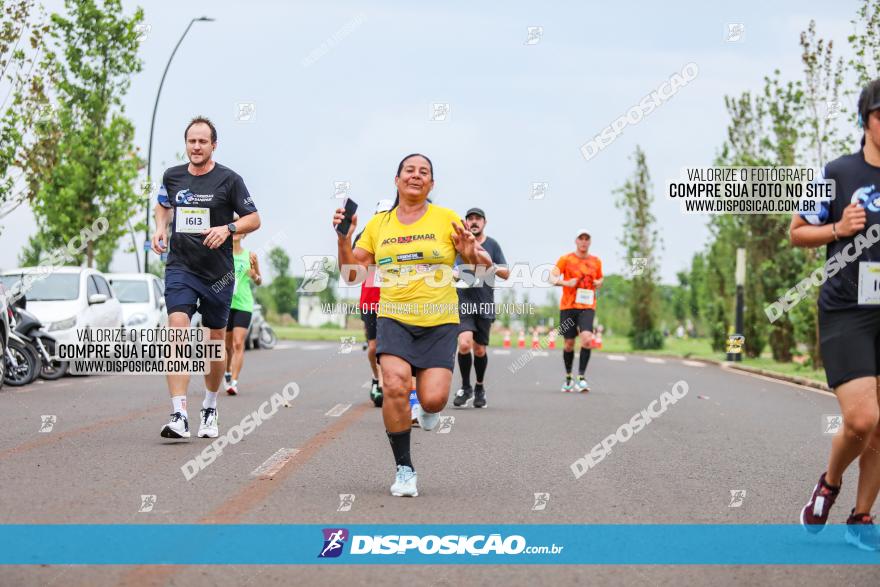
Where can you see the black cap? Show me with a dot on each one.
(478, 211)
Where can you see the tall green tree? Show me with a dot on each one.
(283, 288)
(97, 165)
(640, 239)
(865, 43)
(26, 113)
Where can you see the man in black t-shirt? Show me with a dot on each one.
(849, 322)
(199, 200)
(476, 298)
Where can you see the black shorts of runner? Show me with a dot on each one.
(573, 321)
(850, 344)
(238, 319)
(184, 291)
(369, 319)
(478, 325)
(423, 347)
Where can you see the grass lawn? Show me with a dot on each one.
(686, 348)
(302, 333)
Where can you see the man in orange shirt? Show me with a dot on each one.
(580, 275)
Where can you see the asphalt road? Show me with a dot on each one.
(731, 432)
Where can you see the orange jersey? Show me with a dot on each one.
(587, 270)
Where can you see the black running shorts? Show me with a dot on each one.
(850, 344)
(238, 319)
(369, 319)
(573, 321)
(478, 325)
(423, 347)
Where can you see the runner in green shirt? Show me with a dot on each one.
(246, 269)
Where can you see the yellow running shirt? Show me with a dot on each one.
(414, 266)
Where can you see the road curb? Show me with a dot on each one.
(731, 365)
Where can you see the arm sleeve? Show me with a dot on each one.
(162, 196)
(599, 274)
(816, 212)
(242, 201)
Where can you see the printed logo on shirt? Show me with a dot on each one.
(436, 254)
(409, 238)
(183, 198)
(410, 257)
(187, 198)
(867, 197)
(385, 260)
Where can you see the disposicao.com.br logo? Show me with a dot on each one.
(402, 544)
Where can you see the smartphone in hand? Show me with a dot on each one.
(350, 208)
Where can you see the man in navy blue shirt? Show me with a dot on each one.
(199, 199)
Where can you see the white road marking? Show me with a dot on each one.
(337, 410)
(283, 347)
(694, 363)
(616, 358)
(500, 351)
(367, 385)
(275, 463)
(540, 354)
(315, 347)
(655, 360)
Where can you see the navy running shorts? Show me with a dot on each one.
(186, 292)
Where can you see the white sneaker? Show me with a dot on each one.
(178, 427)
(427, 420)
(208, 423)
(405, 483)
(582, 385)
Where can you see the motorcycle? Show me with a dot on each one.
(30, 329)
(260, 334)
(21, 362)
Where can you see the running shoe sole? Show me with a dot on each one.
(416, 494)
(167, 432)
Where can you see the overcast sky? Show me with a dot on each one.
(518, 112)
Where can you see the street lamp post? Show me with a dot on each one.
(152, 125)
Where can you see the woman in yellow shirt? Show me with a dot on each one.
(412, 248)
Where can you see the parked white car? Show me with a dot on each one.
(67, 299)
(142, 296)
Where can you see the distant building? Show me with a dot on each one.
(310, 313)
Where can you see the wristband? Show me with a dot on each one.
(834, 231)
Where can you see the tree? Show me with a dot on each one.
(25, 110)
(640, 240)
(865, 43)
(97, 165)
(283, 288)
(697, 295)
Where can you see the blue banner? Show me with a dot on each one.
(261, 544)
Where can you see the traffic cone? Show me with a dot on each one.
(551, 339)
(535, 344)
(507, 340)
(597, 341)
(521, 342)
